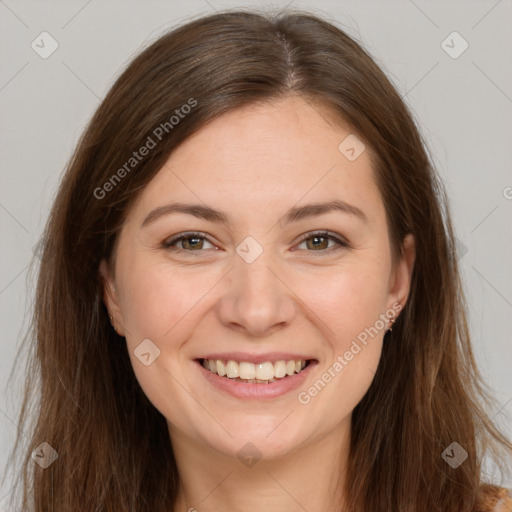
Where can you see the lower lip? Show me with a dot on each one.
(245, 390)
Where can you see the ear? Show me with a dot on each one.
(400, 282)
(110, 298)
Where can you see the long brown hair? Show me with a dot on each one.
(113, 446)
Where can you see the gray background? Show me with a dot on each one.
(463, 106)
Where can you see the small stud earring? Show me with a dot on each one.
(112, 324)
(392, 320)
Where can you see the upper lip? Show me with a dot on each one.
(257, 358)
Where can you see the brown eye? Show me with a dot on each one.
(319, 242)
(190, 242)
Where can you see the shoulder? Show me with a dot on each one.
(492, 498)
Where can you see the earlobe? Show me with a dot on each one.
(107, 286)
(110, 297)
(401, 284)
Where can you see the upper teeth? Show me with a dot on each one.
(260, 371)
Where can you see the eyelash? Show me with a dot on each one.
(168, 244)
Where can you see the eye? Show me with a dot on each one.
(194, 242)
(190, 242)
(319, 241)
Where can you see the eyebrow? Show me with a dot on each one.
(295, 214)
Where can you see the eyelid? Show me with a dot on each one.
(340, 240)
(169, 242)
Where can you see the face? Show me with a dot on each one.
(253, 277)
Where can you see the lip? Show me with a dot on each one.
(271, 357)
(239, 389)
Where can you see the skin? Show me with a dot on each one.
(265, 158)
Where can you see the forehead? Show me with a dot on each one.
(266, 156)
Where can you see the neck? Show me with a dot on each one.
(310, 478)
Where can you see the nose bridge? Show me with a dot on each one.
(255, 267)
(256, 298)
(258, 277)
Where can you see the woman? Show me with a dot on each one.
(249, 295)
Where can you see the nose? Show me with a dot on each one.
(256, 299)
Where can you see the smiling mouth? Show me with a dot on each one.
(255, 373)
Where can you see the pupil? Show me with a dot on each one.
(197, 240)
(315, 239)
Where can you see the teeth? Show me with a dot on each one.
(264, 371)
(232, 370)
(254, 373)
(247, 371)
(290, 367)
(221, 368)
(280, 369)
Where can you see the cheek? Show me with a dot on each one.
(162, 305)
(350, 302)
(350, 376)
(348, 299)
(165, 303)
(350, 306)
(155, 298)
